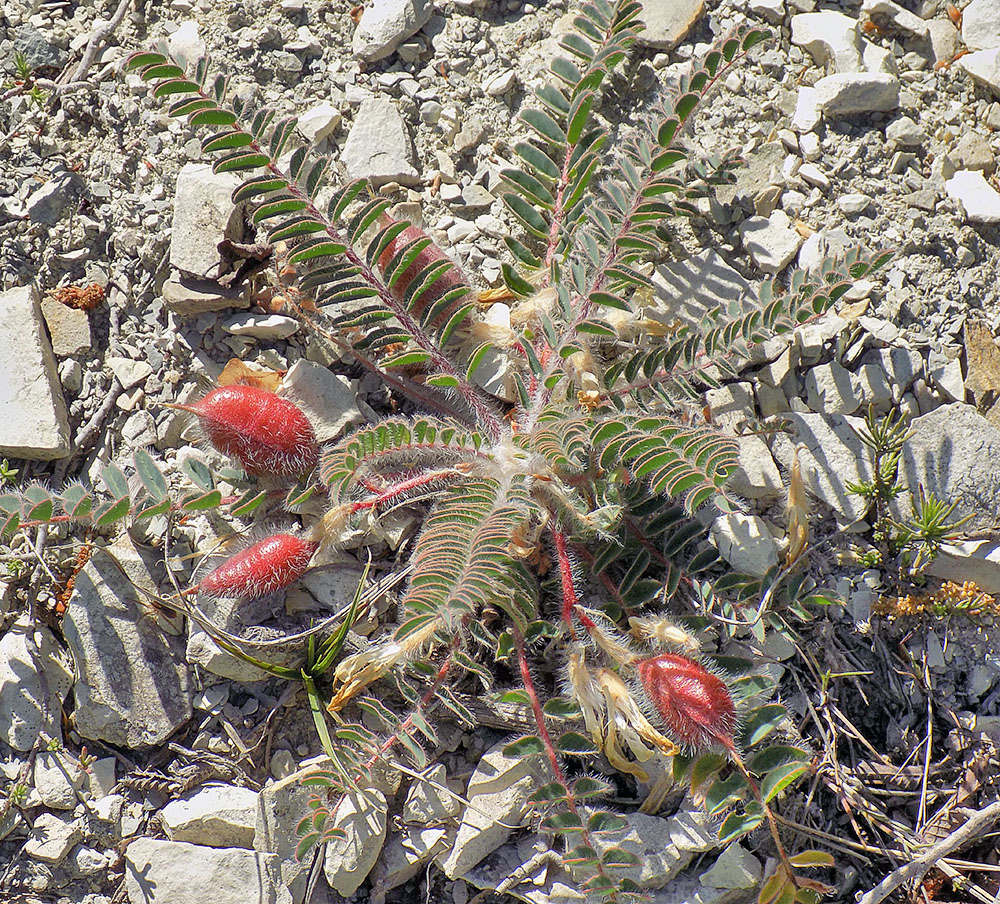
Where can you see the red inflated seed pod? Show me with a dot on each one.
(269, 565)
(268, 435)
(695, 704)
(450, 279)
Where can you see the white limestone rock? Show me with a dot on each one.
(175, 872)
(832, 389)
(349, 860)
(204, 215)
(770, 241)
(745, 543)
(499, 788)
(319, 122)
(188, 296)
(385, 24)
(833, 456)
(57, 780)
(378, 146)
(772, 11)
(33, 419)
(329, 400)
(667, 24)
(215, 815)
(261, 326)
(756, 475)
(807, 112)
(984, 67)
(953, 454)
(832, 38)
(901, 18)
(426, 803)
(981, 25)
(52, 838)
(133, 686)
(185, 44)
(31, 702)
(850, 93)
(980, 200)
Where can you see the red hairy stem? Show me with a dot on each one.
(570, 600)
(266, 434)
(401, 489)
(269, 565)
(536, 709)
(694, 703)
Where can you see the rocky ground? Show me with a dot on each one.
(862, 125)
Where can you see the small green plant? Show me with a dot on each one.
(23, 82)
(908, 545)
(7, 473)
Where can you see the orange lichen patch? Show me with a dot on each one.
(82, 298)
(950, 598)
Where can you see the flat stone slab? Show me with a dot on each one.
(378, 146)
(30, 701)
(133, 687)
(175, 872)
(204, 215)
(668, 22)
(833, 456)
(953, 453)
(33, 419)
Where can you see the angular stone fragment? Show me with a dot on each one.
(69, 328)
(34, 679)
(979, 199)
(847, 94)
(188, 296)
(133, 688)
(745, 543)
(901, 18)
(33, 419)
(215, 815)
(426, 802)
(378, 146)
(204, 215)
(953, 454)
(667, 23)
(52, 837)
(175, 872)
(984, 67)
(981, 25)
(832, 38)
(770, 241)
(280, 806)
(326, 398)
(833, 457)
(385, 24)
(349, 860)
(319, 122)
(499, 789)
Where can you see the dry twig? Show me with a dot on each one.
(916, 869)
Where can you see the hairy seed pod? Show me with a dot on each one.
(269, 565)
(266, 434)
(450, 279)
(694, 703)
